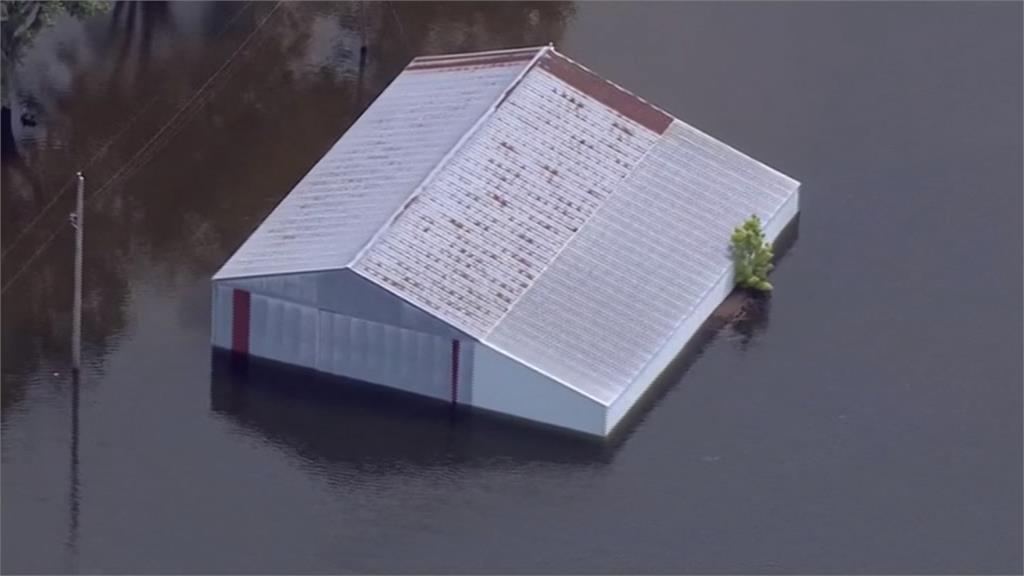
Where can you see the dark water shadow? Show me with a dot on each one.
(327, 417)
(74, 481)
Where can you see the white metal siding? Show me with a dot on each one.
(298, 288)
(348, 293)
(282, 331)
(220, 316)
(645, 262)
(386, 355)
(777, 223)
(357, 348)
(506, 385)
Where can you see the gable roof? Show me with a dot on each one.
(521, 198)
(481, 233)
(350, 193)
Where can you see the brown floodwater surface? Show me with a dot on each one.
(865, 418)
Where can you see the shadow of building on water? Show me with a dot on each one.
(322, 416)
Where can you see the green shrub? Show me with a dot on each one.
(752, 256)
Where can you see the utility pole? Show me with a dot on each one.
(78, 222)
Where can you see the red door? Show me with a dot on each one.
(240, 322)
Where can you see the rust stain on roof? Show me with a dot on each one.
(546, 157)
(605, 92)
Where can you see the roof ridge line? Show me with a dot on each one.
(569, 240)
(481, 53)
(448, 157)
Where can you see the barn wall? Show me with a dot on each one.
(220, 316)
(503, 384)
(346, 292)
(689, 326)
(774, 226)
(387, 355)
(283, 331)
(381, 353)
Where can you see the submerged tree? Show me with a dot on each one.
(752, 255)
(20, 22)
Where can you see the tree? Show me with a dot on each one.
(752, 256)
(20, 22)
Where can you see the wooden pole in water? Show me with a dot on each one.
(78, 221)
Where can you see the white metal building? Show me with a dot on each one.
(505, 230)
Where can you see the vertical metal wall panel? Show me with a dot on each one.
(383, 354)
(220, 316)
(299, 288)
(467, 352)
(283, 331)
(310, 331)
(504, 384)
(786, 213)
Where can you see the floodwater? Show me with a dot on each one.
(866, 419)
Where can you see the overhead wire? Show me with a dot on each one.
(142, 150)
(103, 149)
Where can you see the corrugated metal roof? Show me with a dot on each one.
(530, 203)
(485, 229)
(617, 291)
(354, 189)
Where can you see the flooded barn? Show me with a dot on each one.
(504, 230)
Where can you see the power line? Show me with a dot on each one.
(188, 104)
(100, 152)
(148, 143)
(65, 188)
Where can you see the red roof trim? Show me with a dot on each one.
(605, 92)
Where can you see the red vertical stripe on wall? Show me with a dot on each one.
(240, 322)
(455, 371)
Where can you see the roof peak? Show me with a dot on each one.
(501, 51)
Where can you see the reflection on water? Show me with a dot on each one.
(73, 472)
(324, 417)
